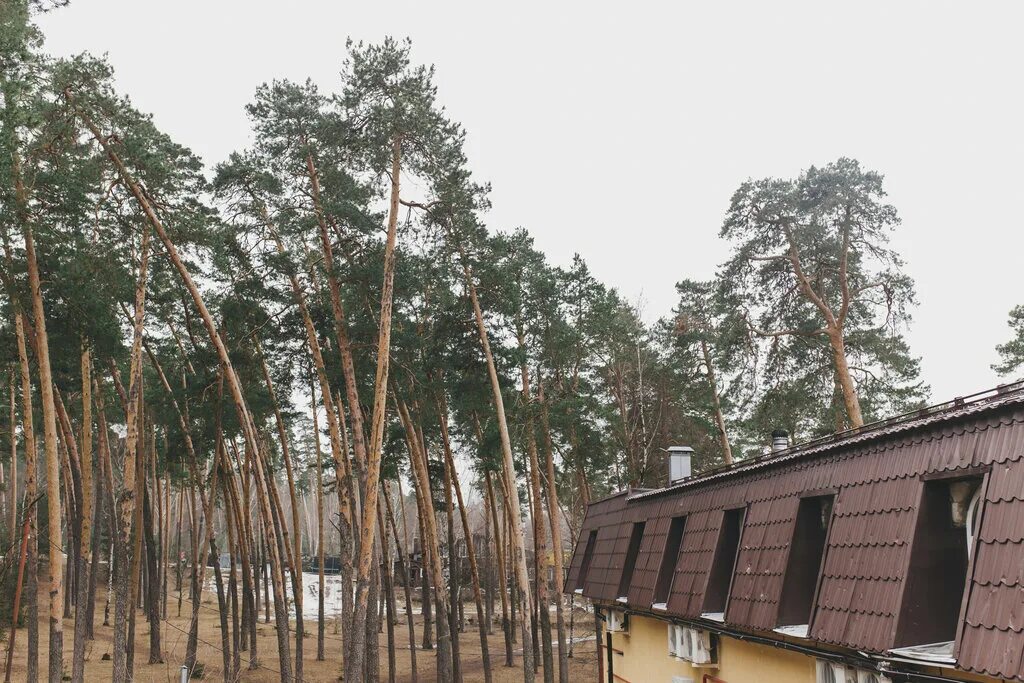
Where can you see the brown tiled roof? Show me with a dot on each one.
(876, 475)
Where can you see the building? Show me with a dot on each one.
(894, 552)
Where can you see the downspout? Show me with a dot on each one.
(597, 627)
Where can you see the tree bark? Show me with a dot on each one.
(506, 624)
(850, 399)
(55, 536)
(238, 396)
(31, 494)
(470, 550)
(556, 536)
(418, 455)
(84, 560)
(716, 403)
(369, 521)
(509, 475)
(406, 581)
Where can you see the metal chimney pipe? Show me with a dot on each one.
(780, 440)
(679, 465)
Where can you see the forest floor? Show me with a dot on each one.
(174, 635)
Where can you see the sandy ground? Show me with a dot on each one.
(583, 666)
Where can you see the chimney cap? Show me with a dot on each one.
(679, 449)
(780, 434)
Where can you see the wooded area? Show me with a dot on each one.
(269, 358)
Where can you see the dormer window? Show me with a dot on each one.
(716, 595)
(669, 559)
(944, 539)
(631, 553)
(588, 558)
(803, 567)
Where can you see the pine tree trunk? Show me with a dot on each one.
(453, 575)
(389, 589)
(850, 398)
(556, 538)
(369, 522)
(125, 501)
(716, 403)
(12, 486)
(152, 574)
(238, 397)
(499, 551)
(406, 583)
(83, 614)
(539, 534)
(418, 455)
(233, 553)
(54, 536)
(28, 433)
(296, 573)
(509, 475)
(470, 550)
(319, 525)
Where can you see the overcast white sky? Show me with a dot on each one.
(620, 131)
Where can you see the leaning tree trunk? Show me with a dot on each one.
(406, 581)
(55, 537)
(245, 420)
(29, 511)
(539, 538)
(716, 403)
(380, 394)
(319, 526)
(296, 574)
(83, 614)
(125, 501)
(556, 538)
(509, 475)
(418, 455)
(850, 398)
(506, 624)
(470, 550)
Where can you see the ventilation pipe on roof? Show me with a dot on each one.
(679, 467)
(780, 440)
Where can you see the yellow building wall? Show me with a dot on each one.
(641, 656)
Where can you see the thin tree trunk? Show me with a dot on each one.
(389, 589)
(11, 493)
(470, 550)
(509, 475)
(296, 573)
(453, 574)
(244, 416)
(419, 465)
(406, 581)
(369, 524)
(539, 535)
(556, 537)
(152, 576)
(716, 403)
(319, 524)
(84, 559)
(54, 536)
(29, 435)
(506, 624)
